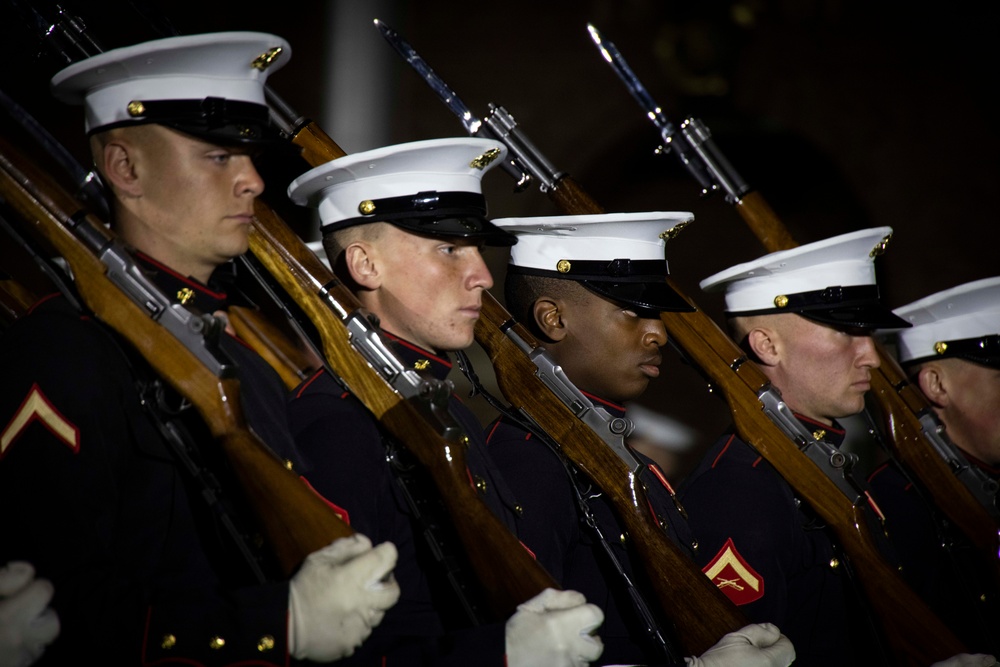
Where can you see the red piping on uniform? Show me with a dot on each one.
(201, 288)
(338, 510)
(47, 297)
(416, 348)
(724, 449)
(308, 382)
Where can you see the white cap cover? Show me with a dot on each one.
(963, 321)
(429, 187)
(618, 255)
(189, 79)
(831, 281)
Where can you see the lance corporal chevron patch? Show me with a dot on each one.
(734, 576)
(37, 407)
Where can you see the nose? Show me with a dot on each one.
(868, 353)
(655, 333)
(248, 180)
(479, 274)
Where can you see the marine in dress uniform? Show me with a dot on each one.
(952, 352)
(115, 512)
(619, 257)
(431, 192)
(766, 550)
(585, 283)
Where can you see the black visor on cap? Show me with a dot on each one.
(214, 119)
(984, 351)
(443, 214)
(641, 284)
(656, 296)
(855, 307)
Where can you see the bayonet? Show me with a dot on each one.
(692, 143)
(524, 162)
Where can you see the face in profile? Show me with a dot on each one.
(607, 348)
(191, 202)
(429, 289)
(822, 372)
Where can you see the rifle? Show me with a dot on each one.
(917, 439)
(818, 472)
(411, 407)
(178, 344)
(586, 436)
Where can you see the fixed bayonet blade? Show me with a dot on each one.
(437, 84)
(614, 57)
(672, 141)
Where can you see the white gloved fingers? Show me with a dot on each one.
(377, 565)
(584, 647)
(551, 598)
(338, 595)
(553, 630)
(14, 576)
(754, 645)
(759, 634)
(968, 660)
(43, 629)
(28, 603)
(342, 549)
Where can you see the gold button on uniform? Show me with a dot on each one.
(266, 643)
(168, 641)
(184, 295)
(834, 563)
(216, 642)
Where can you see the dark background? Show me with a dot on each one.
(842, 114)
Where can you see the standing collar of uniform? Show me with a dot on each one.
(420, 359)
(833, 434)
(185, 290)
(613, 409)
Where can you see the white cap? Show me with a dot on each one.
(963, 322)
(830, 281)
(617, 255)
(428, 187)
(209, 84)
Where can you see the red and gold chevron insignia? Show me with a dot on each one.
(36, 407)
(734, 576)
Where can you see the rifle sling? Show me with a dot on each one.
(650, 625)
(438, 532)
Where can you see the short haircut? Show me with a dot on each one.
(522, 291)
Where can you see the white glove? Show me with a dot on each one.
(338, 595)
(553, 629)
(756, 645)
(968, 660)
(27, 625)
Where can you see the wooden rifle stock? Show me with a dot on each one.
(915, 635)
(293, 518)
(506, 570)
(290, 362)
(699, 611)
